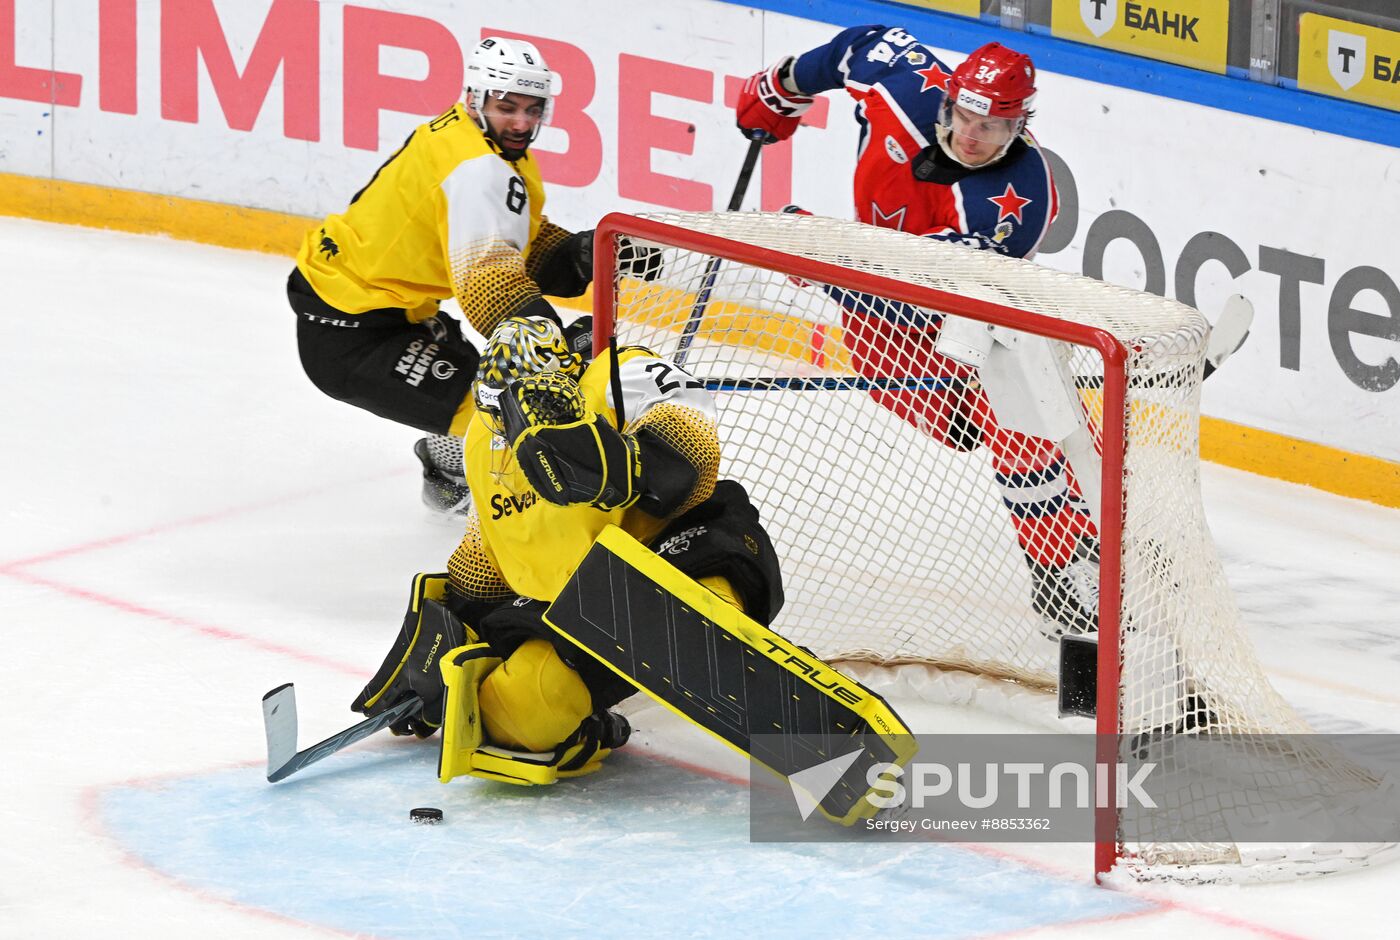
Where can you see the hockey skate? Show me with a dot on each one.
(1067, 597)
(445, 489)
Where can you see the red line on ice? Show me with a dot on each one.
(176, 620)
(202, 519)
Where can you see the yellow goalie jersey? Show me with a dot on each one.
(446, 215)
(519, 543)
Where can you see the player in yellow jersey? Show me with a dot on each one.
(552, 460)
(457, 211)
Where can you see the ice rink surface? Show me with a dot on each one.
(187, 523)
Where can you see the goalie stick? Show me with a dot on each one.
(280, 723)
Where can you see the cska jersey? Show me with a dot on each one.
(534, 544)
(903, 178)
(446, 215)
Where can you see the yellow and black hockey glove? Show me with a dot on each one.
(569, 454)
(640, 261)
(429, 630)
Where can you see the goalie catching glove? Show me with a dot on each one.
(569, 454)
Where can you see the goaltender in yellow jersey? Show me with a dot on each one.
(534, 544)
(551, 463)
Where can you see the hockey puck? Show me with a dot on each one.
(426, 815)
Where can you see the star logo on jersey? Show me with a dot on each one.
(1009, 204)
(934, 77)
(894, 220)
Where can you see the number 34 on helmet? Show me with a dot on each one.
(988, 103)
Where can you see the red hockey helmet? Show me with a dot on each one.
(988, 101)
(994, 81)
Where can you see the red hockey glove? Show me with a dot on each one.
(764, 105)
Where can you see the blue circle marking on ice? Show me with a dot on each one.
(641, 843)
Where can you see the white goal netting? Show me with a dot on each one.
(913, 526)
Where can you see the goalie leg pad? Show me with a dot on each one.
(709, 663)
(532, 701)
(463, 670)
(583, 753)
(465, 751)
(509, 625)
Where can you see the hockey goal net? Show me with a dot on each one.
(914, 528)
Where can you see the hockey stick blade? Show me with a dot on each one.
(1230, 331)
(280, 723)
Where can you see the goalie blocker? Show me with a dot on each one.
(706, 661)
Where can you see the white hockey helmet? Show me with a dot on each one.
(499, 67)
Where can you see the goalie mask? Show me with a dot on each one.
(518, 347)
(987, 105)
(500, 67)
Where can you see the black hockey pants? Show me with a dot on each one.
(413, 373)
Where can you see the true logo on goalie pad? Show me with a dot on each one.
(707, 662)
(823, 679)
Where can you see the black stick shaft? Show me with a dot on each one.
(741, 185)
(702, 299)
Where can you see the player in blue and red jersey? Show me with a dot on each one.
(944, 153)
